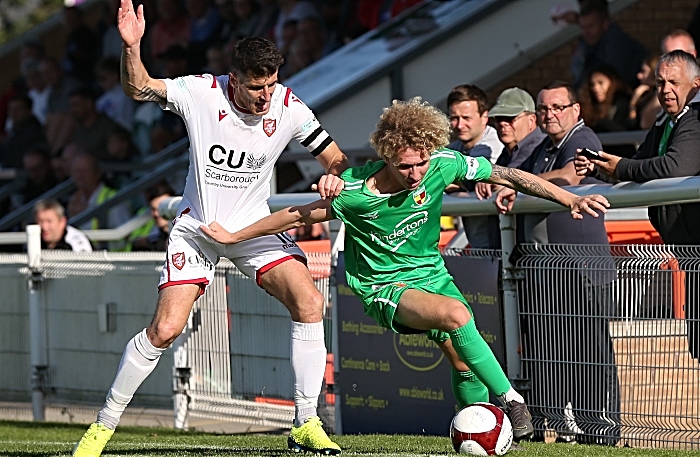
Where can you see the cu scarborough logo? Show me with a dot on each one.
(417, 352)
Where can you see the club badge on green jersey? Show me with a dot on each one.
(420, 196)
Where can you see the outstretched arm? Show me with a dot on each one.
(281, 221)
(528, 183)
(136, 81)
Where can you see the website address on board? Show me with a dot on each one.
(423, 394)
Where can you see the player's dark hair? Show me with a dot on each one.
(469, 93)
(255, 57)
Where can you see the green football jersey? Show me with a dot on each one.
(394, 238)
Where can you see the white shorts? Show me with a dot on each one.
(192, 255)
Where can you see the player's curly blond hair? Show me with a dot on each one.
(412, 124)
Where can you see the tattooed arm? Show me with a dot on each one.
(523, 181)
(136, 81)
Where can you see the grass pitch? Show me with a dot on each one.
(31, 439)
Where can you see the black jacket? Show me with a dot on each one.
(677, 224)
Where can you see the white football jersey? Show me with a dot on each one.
(233, 152)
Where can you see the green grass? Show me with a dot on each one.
(29, 439)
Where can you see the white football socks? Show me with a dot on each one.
(308, 357)
(511, 395)
(138, 361)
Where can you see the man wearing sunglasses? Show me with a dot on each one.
(516, 125)
(566, 318)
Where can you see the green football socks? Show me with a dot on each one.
(474, 351)
(467, 388)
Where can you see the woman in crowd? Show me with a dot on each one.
(605, 103)
(644, 105)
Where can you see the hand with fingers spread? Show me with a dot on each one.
(131, 24)
(589, 204)
(329, 186)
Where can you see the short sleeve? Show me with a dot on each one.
(455, 166)
(305, 127)
(478, 169)
(337, 207)
(184, 92)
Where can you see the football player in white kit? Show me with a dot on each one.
(238, 125)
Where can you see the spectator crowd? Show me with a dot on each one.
(65, 110)
(66, 116)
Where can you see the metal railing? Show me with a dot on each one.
(641, 320)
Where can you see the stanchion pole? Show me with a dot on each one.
(337, 245)
(37, 323)
(510, 298)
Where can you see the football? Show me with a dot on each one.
(481, 429)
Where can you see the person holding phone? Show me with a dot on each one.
(587, 378)
(670, 150)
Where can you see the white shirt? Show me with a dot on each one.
(40, 103)
(233, 152)
(491, 142)
(77, 240)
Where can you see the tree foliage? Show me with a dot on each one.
(19, 16)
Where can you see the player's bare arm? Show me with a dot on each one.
(521, 181)
(334, 162)
(135, 80)
(281, 221)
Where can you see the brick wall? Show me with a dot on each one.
(659, 384)
(647, 21)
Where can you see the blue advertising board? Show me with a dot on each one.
(391, 383)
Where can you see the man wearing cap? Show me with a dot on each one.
(516, 126)
(565, 321)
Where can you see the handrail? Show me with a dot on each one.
(18, 181)
(131, 190)
(622, 195)
(118, 233)
(635, 137)
(23, 212)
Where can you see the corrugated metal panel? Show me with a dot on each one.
(14, 330)
(260, 341)
(82, 360)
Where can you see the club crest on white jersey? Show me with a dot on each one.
(232, 151)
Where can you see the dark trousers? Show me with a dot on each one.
(692, 303)
(569, 357)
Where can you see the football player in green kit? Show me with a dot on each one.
(391, 209)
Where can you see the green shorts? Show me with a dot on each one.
(381, 304)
